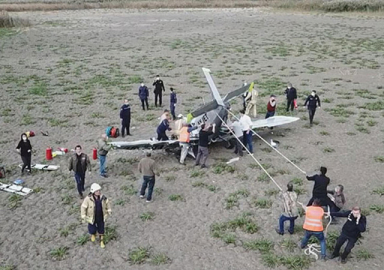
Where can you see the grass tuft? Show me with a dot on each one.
(262, 245)
(138, 255)
(59, 253)
(147, 216)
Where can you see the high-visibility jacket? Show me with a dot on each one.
(184, 135)
(314, 219)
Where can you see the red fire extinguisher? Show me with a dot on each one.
(94, 153)
(48, 153)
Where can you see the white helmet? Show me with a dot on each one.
(95, 187)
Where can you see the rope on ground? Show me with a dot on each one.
(254, 132)
(246, 149)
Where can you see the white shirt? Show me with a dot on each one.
(245, 122)
(237, 129)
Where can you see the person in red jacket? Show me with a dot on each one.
(271, 107)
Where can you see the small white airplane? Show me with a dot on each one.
(209, 113)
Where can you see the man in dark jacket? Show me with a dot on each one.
(356, 224)
(202, 152)
(291, 96)
(320, 188)
(312, 101)
(143, 94)
(159, 87)
(79, 163)
(161, 129)
(125, 116)
(173, 102)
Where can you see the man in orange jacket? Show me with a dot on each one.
(313, 226)
(184, 141)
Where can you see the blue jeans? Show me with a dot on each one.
(318, 235)
(80, 181)
(148, 181)
(172, 107)
(282, 219)
(102, 159)
(247, 140)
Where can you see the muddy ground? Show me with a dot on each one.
(69, 72)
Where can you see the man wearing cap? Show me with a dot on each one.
(312, 101)
(95, 210)
(143, 95)
(291, 94)
(159, 87)
(173, 101)
(356, 224)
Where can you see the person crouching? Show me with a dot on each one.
(95, 210)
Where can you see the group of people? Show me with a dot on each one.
(334, 200)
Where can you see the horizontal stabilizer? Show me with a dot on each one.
(274, 121)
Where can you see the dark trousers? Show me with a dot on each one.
(80, 181)
(162, 136)
(290, 104)
(125, 127)
(148, 181)
(311, 112)
(142, 103)
(247, 140)
(172, 107)
(238, 146)
(283, 219)
(340, 241)
(324, 201)
(269, 114)
(160, 97)
(202, 153)
(26, 163)
(98, 227)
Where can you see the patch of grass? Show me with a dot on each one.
(288, 244)
(362, 129)
(377, 208)
(199, 184)
(229, 238)
(271, 192)
(262, 245)
(110, 234)
(147, 216)
(120, 202)
(296, 261)
(328, 150)
(243, 176)
(233, 198)
(379, 191)
(97, 115)
(27, 120)
(351, 133)
(59, 253)
(371, 123)
(263, 203)
(159, 259)
(170, 178)
(196, 173)
(379, 159)
(175, 197)
(221, 167)
(365, 212)
(339, 112)
(66, 199)
(297, 181)
(81, 240)
(270, 260)
(135, 79)
(14, 201)
(299, 190)
(364, 254)
(7, 267)
(331, 240)
(129, 190)
(212, 188)
(263, 178)
(324, 133)
(39, 89)
(375, 106)
(138, 255)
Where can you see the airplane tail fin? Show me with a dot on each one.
(212, 86)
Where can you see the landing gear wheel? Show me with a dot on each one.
(229, 145)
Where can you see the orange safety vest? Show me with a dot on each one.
(314, 219)
(184, 135)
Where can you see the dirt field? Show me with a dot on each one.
(68, 74)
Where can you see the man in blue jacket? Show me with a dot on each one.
(161, 129)
(125, 116)
(173, 102)
(356, 224)
(143, 94)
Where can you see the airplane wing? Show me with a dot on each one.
(235, 93)
(274, 121)
(144, 144)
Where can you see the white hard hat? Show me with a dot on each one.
(95, 187)
(180, 115)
